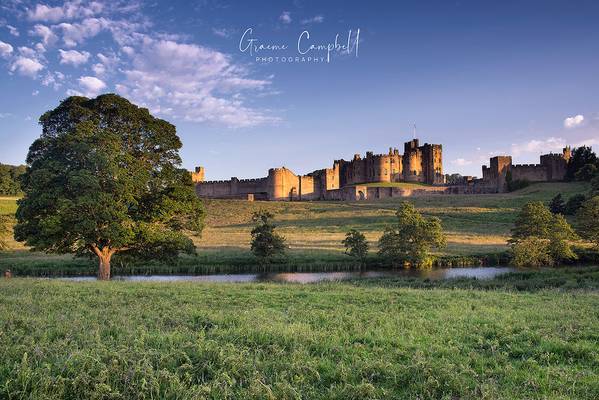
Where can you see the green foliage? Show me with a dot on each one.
(103, 178)
(411, 238)
(10, 179)
(587, 220)
(586, 173)
(266, 243)
(595, 186)
(557, 204)
(574, 203)
(540, 237)
(454, 179)
(534, 219)
(531, 252)
(356, 245)
(581, 156)
(5, 231)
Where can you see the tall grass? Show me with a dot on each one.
(118, 340)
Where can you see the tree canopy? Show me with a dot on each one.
(266, 243)
(356, 245)
(582, 164)
(540, 237)
(105, 177)
(10, 179)
(410, 239)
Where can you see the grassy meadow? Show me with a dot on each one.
(475, 225)
(119, 340)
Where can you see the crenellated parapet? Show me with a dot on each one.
(282, 184)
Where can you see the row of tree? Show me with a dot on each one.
(406, 242)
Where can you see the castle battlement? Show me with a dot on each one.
(419, 164)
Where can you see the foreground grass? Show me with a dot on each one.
(137, 341)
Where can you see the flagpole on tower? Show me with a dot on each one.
(414, 132)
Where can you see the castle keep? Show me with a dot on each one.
(345, 180)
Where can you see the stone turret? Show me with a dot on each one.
(198, 175)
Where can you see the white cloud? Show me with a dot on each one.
(12, 30)
(91, 85)
(73, 57)
(285, 17)
(42, 12)
(77, 33)
(35, 93)
(54, 79)
(5, 115)
(69, 10)
(573, 122)
(191, 82)
(222, 32)
(26, 66)
(539, 146)
(317, 19)
(27, 52)
(47, 35)
(461, 162)
(5, 49)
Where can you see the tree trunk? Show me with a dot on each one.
(104, 268)
(104, 257)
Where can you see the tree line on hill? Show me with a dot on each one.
(10, 184)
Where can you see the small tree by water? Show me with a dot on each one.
(266, 243)
(356, 245)
(540, 237)
(411, 238)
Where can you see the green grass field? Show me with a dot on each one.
(118, 340)
(474, 224)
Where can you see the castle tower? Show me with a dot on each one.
(198, 175)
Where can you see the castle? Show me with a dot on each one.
(346, 180)
(356, 179)
(552, 167)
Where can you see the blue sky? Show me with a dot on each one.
(480, 77)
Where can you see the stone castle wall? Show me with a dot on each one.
(552, 167)
(424, 164)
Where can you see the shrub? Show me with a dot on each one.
(356, 245)
(587, 220)
(557, 204)
(411, 238)
(531, 252)
(266, 244)
(574, 203)
(551, 233)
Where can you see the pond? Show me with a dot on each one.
(312, 277)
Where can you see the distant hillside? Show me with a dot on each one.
(9, 179)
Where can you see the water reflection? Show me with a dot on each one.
(312, 277)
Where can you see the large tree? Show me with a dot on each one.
(105, 178)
